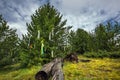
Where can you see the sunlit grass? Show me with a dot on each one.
(96, 69)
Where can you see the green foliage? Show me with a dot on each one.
(102, 54)
(98, 54)
(5, 61)
(79, 41)
(46, 27)
(115, 54)
(8, 43)
(105, 41)
(106, 37)
(100, 36)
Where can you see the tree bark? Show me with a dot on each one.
(44, 73)
(57, 73)
(54, 69)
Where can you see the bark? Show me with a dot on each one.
(71, 57)
(57, 73)
(54, 69)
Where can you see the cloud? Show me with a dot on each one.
(18, 12)
(87, 14)
(84, 14)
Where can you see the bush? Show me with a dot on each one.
(33, 57)
(115, 54)
(90, 54)
(24, 59)
(5, 61)
(99, 54)
(102, 54)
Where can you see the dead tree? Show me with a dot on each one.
(52, 69)
(57, 73)
(44, 73)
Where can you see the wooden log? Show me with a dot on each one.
(54, 69)
(41, 75)
(44, 73)
(57, 73)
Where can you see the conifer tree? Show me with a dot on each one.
(107, 36)
(47, 28)
(8, 43)
(79, 41)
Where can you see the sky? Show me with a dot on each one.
(85, 14)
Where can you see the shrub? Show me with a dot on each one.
(115, 54)
(99, 54)
(102, 54)
(5, 61)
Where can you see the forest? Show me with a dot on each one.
(48, 37)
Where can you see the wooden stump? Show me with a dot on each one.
(71, 57)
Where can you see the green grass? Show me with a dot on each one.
(13, 72)
(96, 69)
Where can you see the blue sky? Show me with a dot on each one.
(85, 14)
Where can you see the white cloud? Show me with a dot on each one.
(20, 26)
(18, 13)
(84, 14)
(87, 14)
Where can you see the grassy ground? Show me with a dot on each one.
(13, 72)
(95, 69)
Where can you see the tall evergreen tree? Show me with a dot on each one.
(8, 43)
(101, 37)
(47, 28)
(107, 36)
(79, 41)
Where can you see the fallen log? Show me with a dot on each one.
(57, 73)
(52, 69)
(44, 73)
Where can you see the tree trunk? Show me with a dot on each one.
(54, 69)
(44, 73)
(57, 73)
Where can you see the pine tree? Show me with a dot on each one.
(79, 41)
(8, 43)
(107, 36)
(48, 28)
